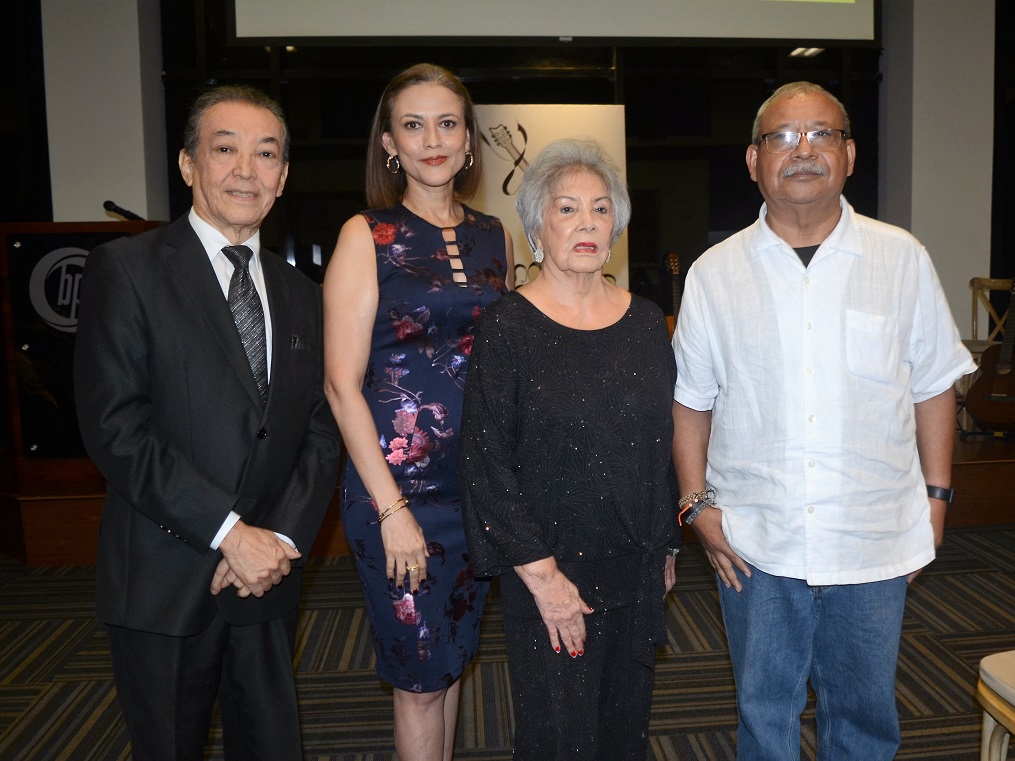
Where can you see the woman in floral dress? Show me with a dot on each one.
(403, 291)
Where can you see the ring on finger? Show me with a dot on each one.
(412, 568)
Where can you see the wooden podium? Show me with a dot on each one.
(50, 493)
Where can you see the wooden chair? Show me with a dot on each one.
(995, 692)
(982, 287)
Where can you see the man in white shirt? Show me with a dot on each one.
(815, 417)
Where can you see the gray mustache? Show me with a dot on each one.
(805, 167)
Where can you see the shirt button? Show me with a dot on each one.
(263, 433)
(810, 509)
(809, 326)
(810, 371)
(810, 464)
(807, 280)
(810, 418)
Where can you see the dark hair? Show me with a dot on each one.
(793, 90)
(230, 94)
(385, 189)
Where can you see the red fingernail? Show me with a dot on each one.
(556, 649)
(574, 654)
(581, 652)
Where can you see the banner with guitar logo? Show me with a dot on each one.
(512, 135)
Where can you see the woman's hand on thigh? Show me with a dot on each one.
(559, 602)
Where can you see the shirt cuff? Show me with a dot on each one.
(227, 525)
(287, 540)
(231, 520)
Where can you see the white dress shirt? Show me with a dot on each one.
(811, 375)
(213, 242)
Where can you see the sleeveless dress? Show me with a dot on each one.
(414, 381)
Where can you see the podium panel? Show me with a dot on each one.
(42, 460)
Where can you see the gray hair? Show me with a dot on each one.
(231, 94)
(792, 90)
(546, 173)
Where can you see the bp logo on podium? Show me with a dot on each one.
(54, 285)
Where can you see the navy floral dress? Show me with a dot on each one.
(419, 354)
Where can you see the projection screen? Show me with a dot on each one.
(568, 20)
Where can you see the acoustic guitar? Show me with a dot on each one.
(990, 400)
(673, 265)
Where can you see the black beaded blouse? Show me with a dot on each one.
(566, 450)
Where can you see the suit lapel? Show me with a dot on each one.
(187, 259)
(281, 323)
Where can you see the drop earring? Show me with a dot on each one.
(537, 256)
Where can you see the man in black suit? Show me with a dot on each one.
(200, 398)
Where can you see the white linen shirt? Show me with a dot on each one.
(811, 375)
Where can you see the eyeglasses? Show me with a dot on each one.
(818, 139)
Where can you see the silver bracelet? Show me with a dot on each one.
(696, 510)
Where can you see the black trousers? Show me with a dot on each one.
(168, 687)
(594, 707)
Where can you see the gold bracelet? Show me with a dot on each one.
(694, 504)
(393, 508)
(400, 502)
(708, 495)
(392, 511)
(400, 498)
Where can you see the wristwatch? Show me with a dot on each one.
(939, 492)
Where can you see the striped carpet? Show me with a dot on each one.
(57, 700)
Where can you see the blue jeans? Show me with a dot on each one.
(843, 638)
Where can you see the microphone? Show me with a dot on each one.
(119, 210)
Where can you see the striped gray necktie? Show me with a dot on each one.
(248, 315)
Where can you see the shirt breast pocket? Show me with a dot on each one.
(871, 348)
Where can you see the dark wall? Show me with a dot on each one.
(1002, 254)
(689, 107)
(25, 194)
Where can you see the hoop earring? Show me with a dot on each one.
(398, 165)
(472, 160)
(537, 256)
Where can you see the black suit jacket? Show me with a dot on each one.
(170, 413)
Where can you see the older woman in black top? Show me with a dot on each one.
(566, 470)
